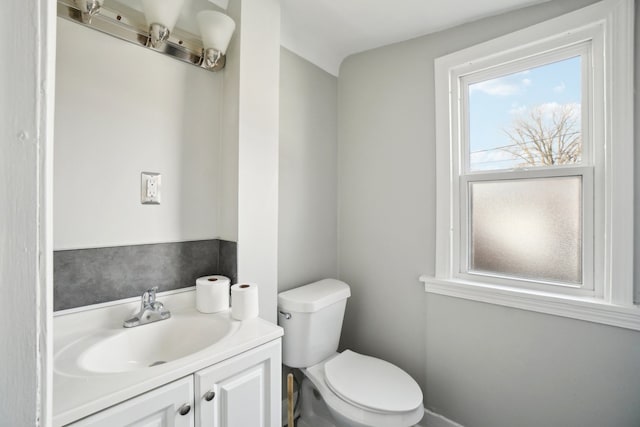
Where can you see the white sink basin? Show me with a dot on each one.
(97, 363)
(142, 347)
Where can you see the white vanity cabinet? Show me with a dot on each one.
(243, 391)
(168, 406)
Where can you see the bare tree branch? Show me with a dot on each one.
(548, 135)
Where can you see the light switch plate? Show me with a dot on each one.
(150, 188)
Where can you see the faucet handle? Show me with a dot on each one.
(149, 296)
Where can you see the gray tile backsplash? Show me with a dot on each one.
(229, 260)
(90, 276)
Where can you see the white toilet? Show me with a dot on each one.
(358, 390)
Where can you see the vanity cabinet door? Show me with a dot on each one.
(162, 407)
(243, 391)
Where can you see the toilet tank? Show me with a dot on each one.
(311, 316)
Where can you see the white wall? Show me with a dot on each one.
(481, 365)
(256, 84)
(229, 127)
(307, 218)
(27, 37)
(122, 110)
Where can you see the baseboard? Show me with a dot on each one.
(285, 406)
(431, 419)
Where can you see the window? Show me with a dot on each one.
(535, 170)
(529, 118)
(526, 169)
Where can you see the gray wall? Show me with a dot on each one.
(636, 272)
(481, 365)
(307, 230)
(307, 211)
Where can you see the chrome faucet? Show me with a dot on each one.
(150, 310)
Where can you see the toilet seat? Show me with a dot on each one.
(372, 383)
(346, 408)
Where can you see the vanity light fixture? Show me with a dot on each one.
(89, 8)
(161, 16)
(216, 30)
(155, 27)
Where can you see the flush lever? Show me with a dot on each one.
(287, 316)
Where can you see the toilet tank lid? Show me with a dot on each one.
(313, 297)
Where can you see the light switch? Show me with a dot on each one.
(150, 188)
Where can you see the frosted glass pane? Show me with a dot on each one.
(529, 228)
(531, 118)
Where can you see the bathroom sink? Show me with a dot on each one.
(142, 347)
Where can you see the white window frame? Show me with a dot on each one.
(585, 43)
(607, 167)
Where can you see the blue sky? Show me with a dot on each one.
(493, 104)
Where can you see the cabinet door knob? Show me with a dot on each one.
(209, 396)
(184, 409)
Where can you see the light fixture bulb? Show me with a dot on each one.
(216, 30)
(161, 16)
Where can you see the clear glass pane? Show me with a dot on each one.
(528, 228)
(531, 118)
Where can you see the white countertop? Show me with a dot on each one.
(78, 395)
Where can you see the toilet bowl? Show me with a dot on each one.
(362, 391)
(357, 390)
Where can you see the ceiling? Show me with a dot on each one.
(327, 31)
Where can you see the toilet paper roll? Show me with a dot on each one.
(244, 301)
(212, 294)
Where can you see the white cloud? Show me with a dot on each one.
(518, 109)
(501, 86)
(495, 87)
(547, 109)
(560, 88)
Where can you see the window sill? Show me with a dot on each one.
(589, 309)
